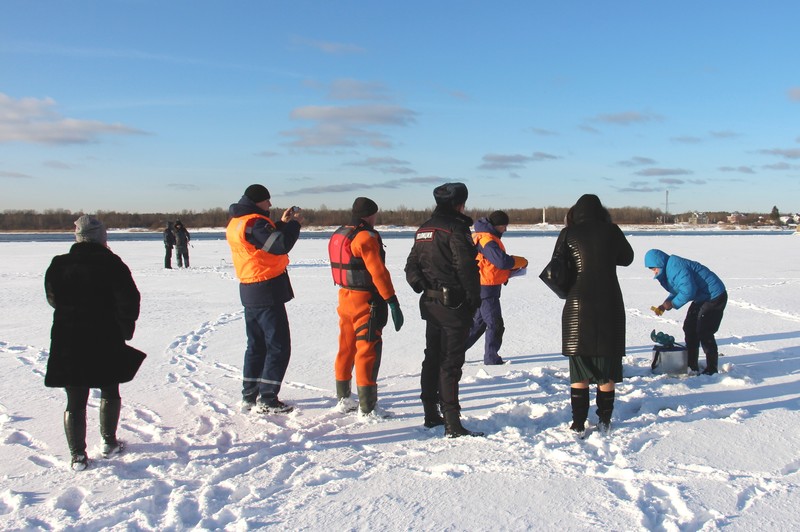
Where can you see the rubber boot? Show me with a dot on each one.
(711, 363)
(109, 419)
(432, 416)
(605, 406)
(579, 397)
(453, 427)
(75, 430)
(367, 398)
(343, 389)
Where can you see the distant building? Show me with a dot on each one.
(698, 218)
(736, 218)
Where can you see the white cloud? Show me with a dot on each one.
(353, 89)
(495, 161)
(14, 175)
(347, 126)
(637, 161)
(739, 169)
(627, 118)
(329, 47)
(659, 172)
(793, 153)
(36, 121)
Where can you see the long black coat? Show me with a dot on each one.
(593, 319)
(96, 305)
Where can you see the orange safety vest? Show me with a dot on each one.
(491, 275)
(252, 264)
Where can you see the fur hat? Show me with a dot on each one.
(451, 194)
(364, 207)
(257, 193)
(498, 218)
(90, 229)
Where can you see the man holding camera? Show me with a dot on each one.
(260, 250)
(442, 268)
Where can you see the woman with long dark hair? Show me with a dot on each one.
(593, 319)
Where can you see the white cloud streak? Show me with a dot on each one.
(35, 120)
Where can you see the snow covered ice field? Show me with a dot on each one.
(685, 453)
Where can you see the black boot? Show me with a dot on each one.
(432, 416)
(453, 427)
(605, 406)
(109, 418)
(692, 356)
(75, 430)
(367, 398)
(711, 363)
(579, 398)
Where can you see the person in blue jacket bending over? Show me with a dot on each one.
(687, 280)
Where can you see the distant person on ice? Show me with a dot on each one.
(687, 280)
(260, 250)
(366, 294)
(169, 243)
(495, 266)
(182, 244)
(96, 306)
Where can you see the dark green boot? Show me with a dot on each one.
(367, 399)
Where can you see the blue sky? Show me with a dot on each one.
(148, 106)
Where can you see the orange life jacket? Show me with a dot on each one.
(490, 274)
(252, 264)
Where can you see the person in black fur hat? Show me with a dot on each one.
(442, 269)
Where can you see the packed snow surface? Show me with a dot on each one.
(684, 453)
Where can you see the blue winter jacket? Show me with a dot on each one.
(493, 254)
(684, 279)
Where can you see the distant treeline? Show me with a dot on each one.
(63, 220)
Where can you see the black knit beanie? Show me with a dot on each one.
(498, 218)
(257, 193)
(364, 207)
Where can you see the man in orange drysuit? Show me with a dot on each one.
(365, 297)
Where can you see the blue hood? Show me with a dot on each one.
(483, 225)
(655, 258)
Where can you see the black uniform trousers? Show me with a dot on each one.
(446, 335)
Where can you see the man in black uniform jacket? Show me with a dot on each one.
(442, 268)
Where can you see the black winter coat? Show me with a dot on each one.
(593, 319)
(443, 255)
(96, 305)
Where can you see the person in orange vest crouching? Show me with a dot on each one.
(366, 294)
(495, 266)
(260, 250)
